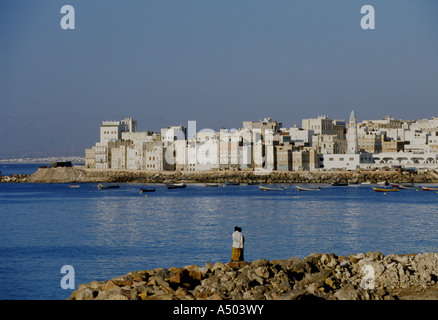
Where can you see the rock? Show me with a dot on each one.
(123, 281)
(259, 263)
(293, 295)
(262, 272)
(215, 296)
(86, 294)
(113, 294)
(417, 293)
(347, 292)
(220, 266)
(318, 276)
(237, 264)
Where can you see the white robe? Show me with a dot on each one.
(237, 240)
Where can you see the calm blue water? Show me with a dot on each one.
(20, 168)
(107, 233)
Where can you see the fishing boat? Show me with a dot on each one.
(176, 185)
(264, 188)
(211, 185)
(232, 183)
(308, 189)
(429, 188)
(73, 186)
(366, 182)
(384, 189)
(108, 186)
(147, 190)
(339, 184)
(403, 186)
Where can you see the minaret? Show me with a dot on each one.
(352, 134)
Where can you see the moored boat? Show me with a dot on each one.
(403, 186)
(429, 188)
(176, 185)
(339, 184)
(108, 186)
(147, 190)
(308, 189)
(232, 183)
(384, 189)
(211, 185)
(73, 185)
(265, 188)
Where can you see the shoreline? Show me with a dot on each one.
(78, 174)
(319, 276)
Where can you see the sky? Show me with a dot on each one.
(219, 63)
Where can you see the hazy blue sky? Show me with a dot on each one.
(165, 62)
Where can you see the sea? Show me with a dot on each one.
(104, 233)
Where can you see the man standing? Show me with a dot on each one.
(238, 244)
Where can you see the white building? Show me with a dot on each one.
(264, 146)
(297, 135)
(352, 134)
(324, 125)
(112, 130)
(348, 161)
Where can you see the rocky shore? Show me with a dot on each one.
(84, 175)
(370, 276)
(15, 178)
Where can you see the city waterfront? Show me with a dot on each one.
(107, 233)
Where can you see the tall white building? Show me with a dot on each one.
(112, 130)
(352, 134)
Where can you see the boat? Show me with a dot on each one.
(211, 185)
(147, 190)
(429, 188)
(339, 184)
(366, 182)
(232, 183)
(308, 189)
(403, 186)
(176, 185)
(73, 185)
(384, 189)
(264, 188)
(108, 186)
(382, 183)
